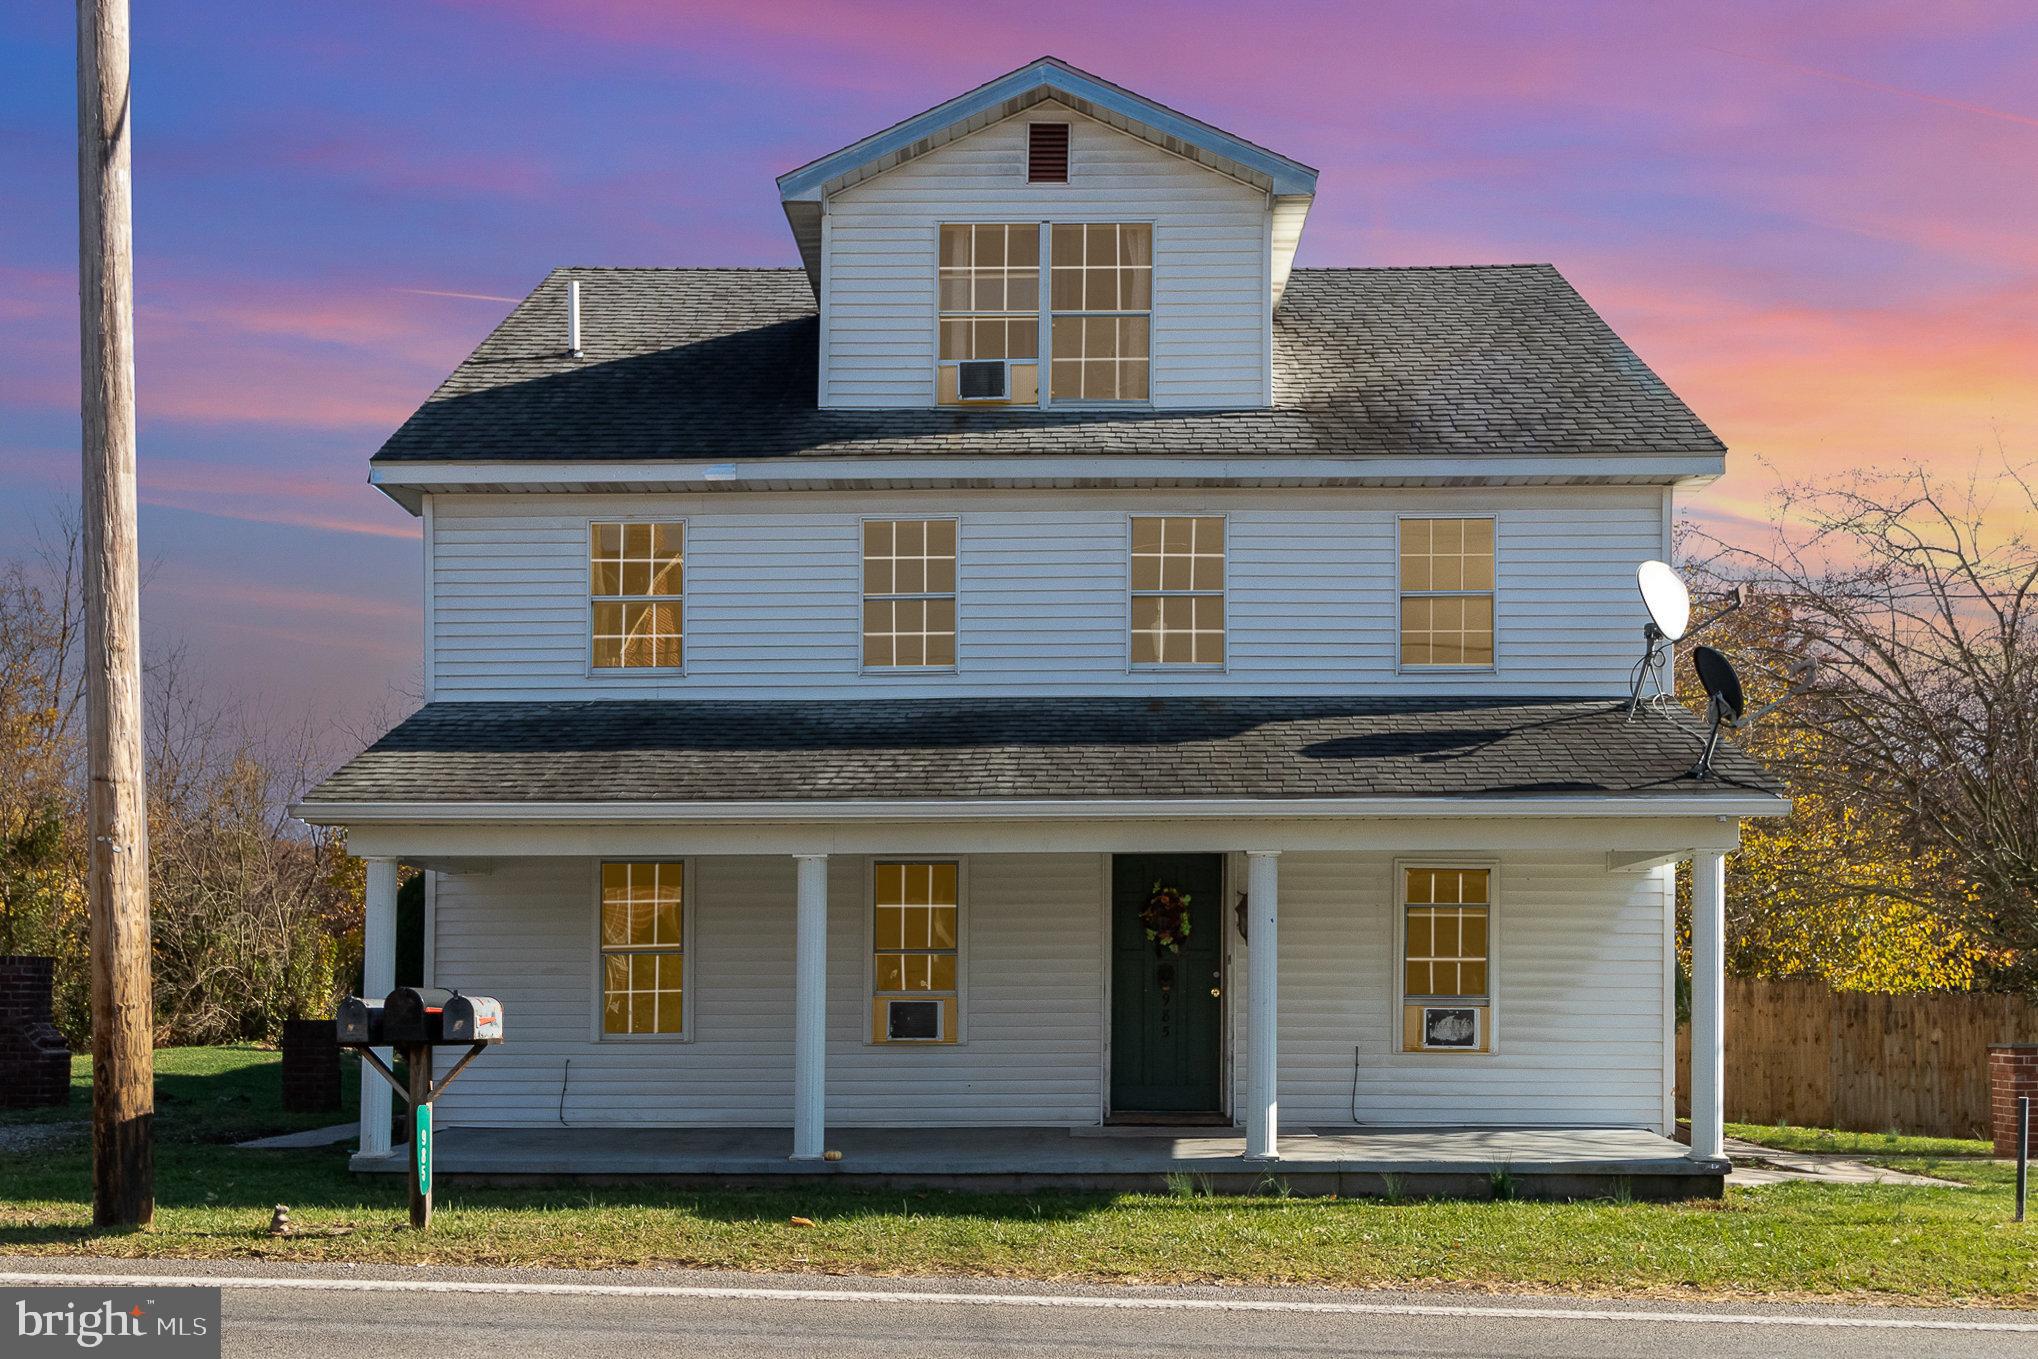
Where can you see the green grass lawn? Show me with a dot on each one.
(1786, 1138)
(1874, 1242)
(223, 1094)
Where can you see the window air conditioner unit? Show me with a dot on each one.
(1454, 1028)
(913, 1020)
(984, 380)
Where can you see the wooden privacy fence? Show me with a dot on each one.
(1800, 1053)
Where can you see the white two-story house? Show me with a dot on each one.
(1046, 663)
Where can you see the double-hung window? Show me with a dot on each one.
(916, 951)
(636, 581)
(1100, 298)
(1177, 608)
(908, 594)
(643, 949)
(990, 306)
(1446, 959)
(1446, 592)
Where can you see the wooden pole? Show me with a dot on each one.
(419, 1056)
(123, 1061)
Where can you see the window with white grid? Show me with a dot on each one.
(916, 942)
(1177, 590)
(643, 948)
(1447, 571)
(1444, 953)
(636, 577)
(908, 593)
(1100, 303)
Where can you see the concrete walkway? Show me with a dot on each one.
(311, 1137)
(1755, 1164)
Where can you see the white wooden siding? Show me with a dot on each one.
(773, 592)
(526, 935)
(1211, 328)
(1578, 971)
(1580, 1001)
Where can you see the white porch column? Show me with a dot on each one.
(1262, 1114)
(378, 979)
(810, 1008)
(1708, 1000)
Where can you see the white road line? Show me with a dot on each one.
(1080, 1301)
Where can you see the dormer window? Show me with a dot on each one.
(990, 310)
(1098, 279)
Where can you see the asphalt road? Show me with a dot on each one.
(340, 1313)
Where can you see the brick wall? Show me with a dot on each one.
(35, 1061)
(311, 1065)
(2012, 1071)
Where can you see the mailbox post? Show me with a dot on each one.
(414, 1020)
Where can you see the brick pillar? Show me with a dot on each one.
(311, 1066)
(2012, 1072)
(35, 1061)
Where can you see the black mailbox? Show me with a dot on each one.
(359, 1023)
(414, 1014)
(473, 1019)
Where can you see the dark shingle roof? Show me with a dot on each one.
(1005, 748)
(720, 363)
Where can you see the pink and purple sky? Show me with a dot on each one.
(1819, 221)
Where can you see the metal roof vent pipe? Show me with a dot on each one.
(573, 317)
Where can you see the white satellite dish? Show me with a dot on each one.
(1668, 602)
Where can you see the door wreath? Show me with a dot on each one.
(1166, 917)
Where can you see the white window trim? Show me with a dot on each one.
(1047, 312)
(587, 599)
(1217, 667)
(863, 597)
(1398, 904)
(1402, 667)
(688, 903)
(868, 943)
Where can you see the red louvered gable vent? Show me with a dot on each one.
(1047, 153)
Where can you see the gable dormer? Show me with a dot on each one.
(1048, 240)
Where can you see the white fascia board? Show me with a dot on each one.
(1722, 805)
(483, 843)
(763, 473)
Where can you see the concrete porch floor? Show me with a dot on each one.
(1541, 1162)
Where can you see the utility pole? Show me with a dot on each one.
(117, 877)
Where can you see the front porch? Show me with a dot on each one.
(1548, 1163)
(1400, 950)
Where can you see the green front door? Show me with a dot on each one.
(1165, 1006)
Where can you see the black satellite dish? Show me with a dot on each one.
(1716, 676)
(1727, 704)
(1724, 701)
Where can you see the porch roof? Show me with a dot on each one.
(1150, 751)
